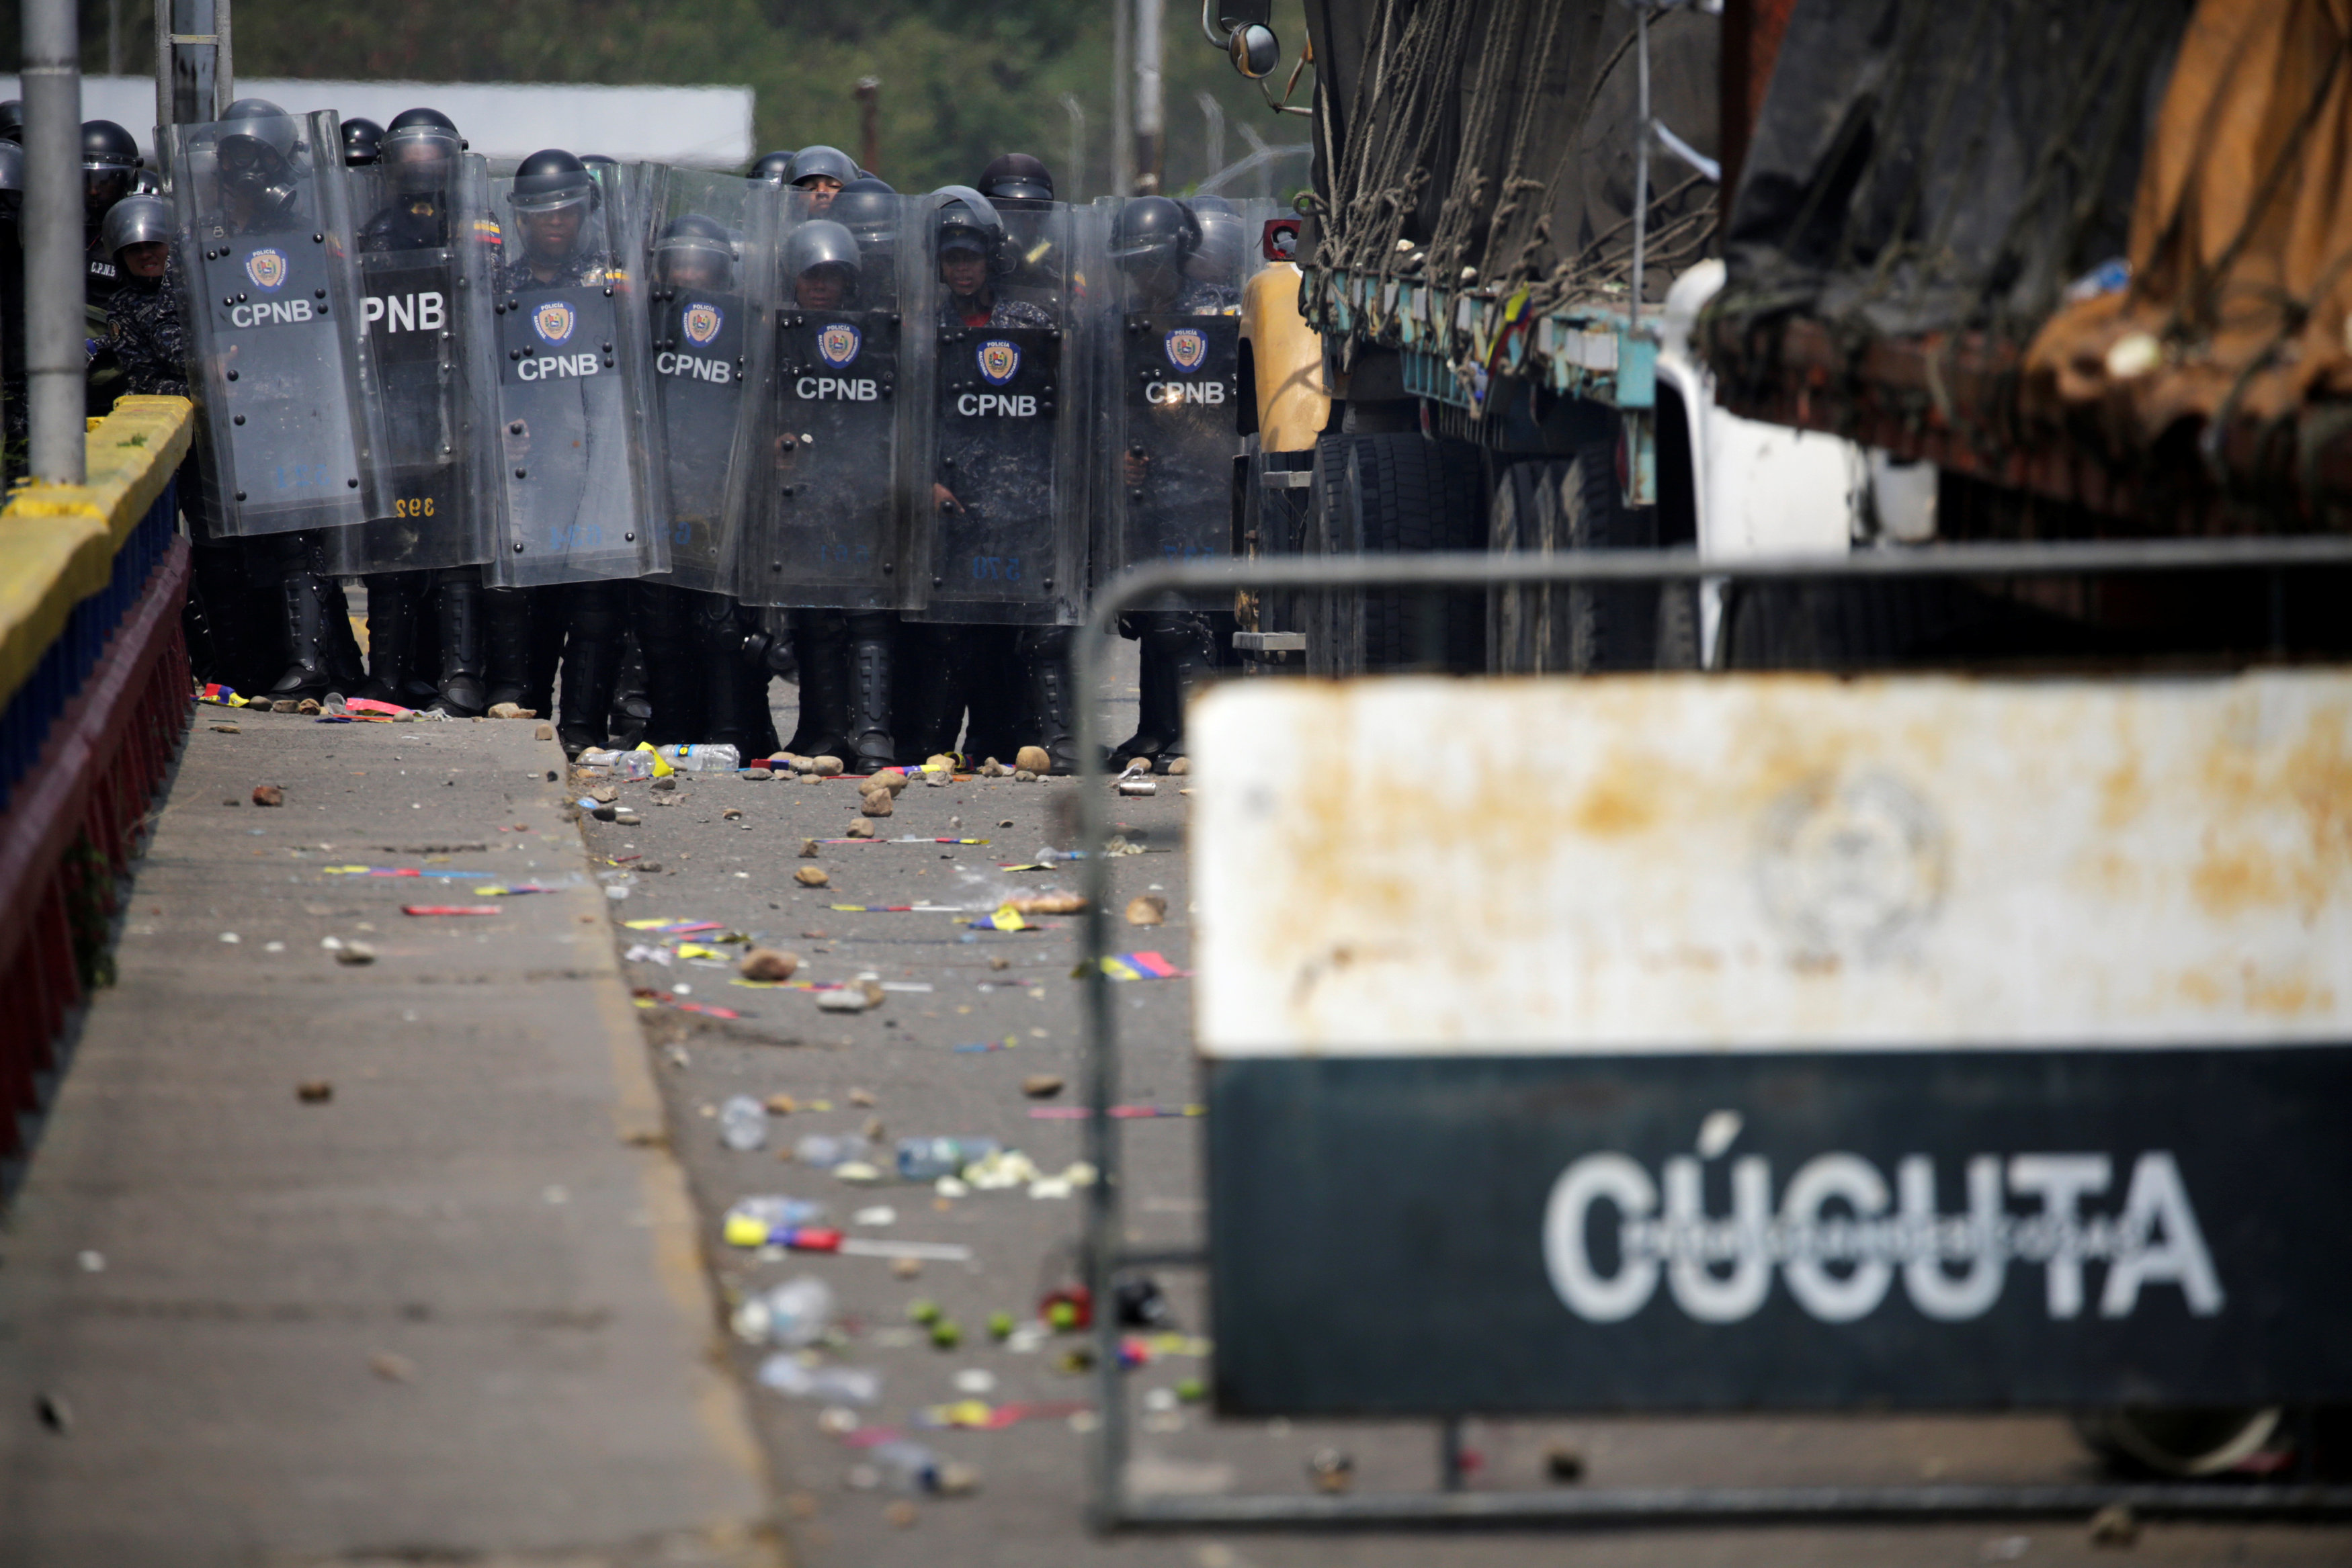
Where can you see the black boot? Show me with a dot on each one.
(661, 618)
(932, 691)
(719, 674)
(393, 603)
(1156, 719)
(997, 691)
(306, 673)
(506, 647)
(822, 644)
(1045, 664)
(592, 665)
(346, 668)
(873, 636)
(458, 608)
(1187, 661)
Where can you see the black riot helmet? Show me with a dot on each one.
(363, 142)
(1017, 180)
(1224, 239)
(12, 180)
(12, 122)
(968, 220)
(421, 150)
(866, 207)
(256, 145)
(552, 178)
(774, 168)
(110, 166)
(822, 163)
(694, 251)
(1153, 232)
(822, 250)
(137, 219)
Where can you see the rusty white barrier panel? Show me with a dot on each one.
(1425, 867)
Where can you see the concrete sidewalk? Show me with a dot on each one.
(455, 1311)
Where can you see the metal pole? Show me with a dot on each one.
(1122, 145)
(1074, 175)
(225, 67)
(1640, 158)
(870, 122)
(54, 359)
(1151, 99)
(114, 38)
(1215, 113)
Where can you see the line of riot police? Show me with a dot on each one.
(794, 421)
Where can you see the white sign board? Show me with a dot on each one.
(1432, 866)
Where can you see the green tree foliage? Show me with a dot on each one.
(963, 80)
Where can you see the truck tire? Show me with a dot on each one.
(1398, 494)
(1580, 629)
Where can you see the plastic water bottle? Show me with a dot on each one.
(742, 1124)
(823, 1151)
(798, 1311)
(907, 1467)
(703, 758)
(834, 1384)
(928, 1159)
(632, 764)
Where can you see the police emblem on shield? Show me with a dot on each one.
(837, 344)
(267, 269)
(1187, 347)
(701, 323)
(1000, 361)
(555, 320)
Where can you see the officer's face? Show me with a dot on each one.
(821, 189)
(963, 271)
(145, 259)
(101, 188)
(821, 287)
(693, 270)
(553, 231)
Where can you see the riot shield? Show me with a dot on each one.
(1170, 411)
(579, 460)
(428, 249)
(1000, 538)
(702, 258)
(825, 462)
(273, 319)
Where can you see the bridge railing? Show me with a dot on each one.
(95, 697)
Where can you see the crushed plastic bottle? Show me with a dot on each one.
(632, 764)
(823, 1151)
(742, 1124)
(928, 1159)
(703, 758)
(596, 756)
(793, 1315)
(834, 1384)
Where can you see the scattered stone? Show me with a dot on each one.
(860, 828)
(992, 769)
(1179, 764)
(812, 876)
(893, 780)
(512, 710)
(1054, 902)
(308, 706)
(1041, 1086)
(2114, 1525)
(392, 1368)
(808, 848)
(544, 732)
(1033, 759)
(355, 953)
(1135, 765)
(226, 730)
(900, 1513)
(826, 767)
(958, 1478)
(603, 792)
(1563, 1464)
(1147, 909)
(1000, 963)
(1025, 777)
(906, 1267)
(625, 817)
(314, 1092)
(863, 1097)
(768, 964)
(781, 1104)
(856, 998)
(269, 795)
(1332, 1470)
(875, 803)
(732, 814)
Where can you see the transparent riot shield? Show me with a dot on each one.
(827, 462)
(1001, 535)
(273, 319)
(703, 256)
(579, 454)
(1170, 405)
(428, 250)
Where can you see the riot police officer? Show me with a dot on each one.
(12, 121)
(1157, 244)
(363, 142)
(11, 292)
(772, 168)
(869, 208)
(822, 171)
(109, 171)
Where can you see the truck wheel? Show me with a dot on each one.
(1396, 494)
(1577, 506)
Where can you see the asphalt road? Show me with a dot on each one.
(721, 849)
